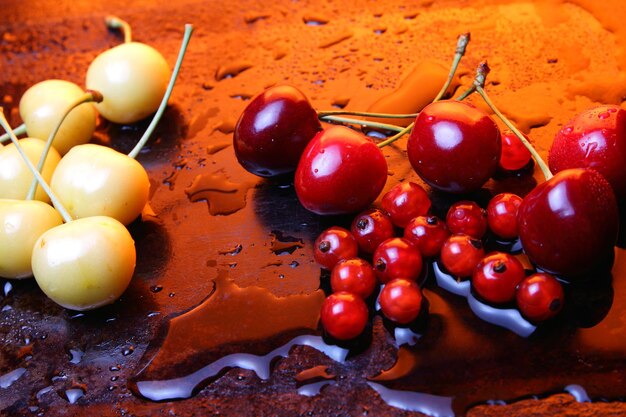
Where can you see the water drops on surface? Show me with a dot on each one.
(7, 288)
(235, 250)
(72, 395)
(76, 356)
(128, 350)
(432, 405)
(156, 288)
(9, 378)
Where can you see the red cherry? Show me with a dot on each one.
(333, 245)
(353, 275)
(397, 258)
(502, 215)
(370, 228)
(568, 224)
(405, 201)
(460, 254)
(595, 138)
(514, 155)
(540, 297)
(401, 300)
(273, 131)
(341, 171)
(467, 217)
(496, 276)
(454, 146)
(343, 315)
(427, 233)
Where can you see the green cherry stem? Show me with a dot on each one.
(20, 130)
(170, 87)
(114, 22)
(88, 97)
(360, 122)
(55, 200)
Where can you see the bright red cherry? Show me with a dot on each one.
(405, 201)
(370, 228)
(344, 315)
(540, 297)
(454, 146)
(502, 215)
(496, 277)
(460, 254)
(467, 217)
(569, 223)
(397, 258)
(514, 155)
(401, 300)
(273, 131)
(353, 275)
(341, 171)
(427, 233)
(333, 245)
(595, 138)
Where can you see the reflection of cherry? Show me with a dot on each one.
(353, 275)
(405, 201)
(333, 245)
(427, 233)
(344, 315)
(496, 276)
(401, 300)
(397, 258)
(540, 297)
(370, 228)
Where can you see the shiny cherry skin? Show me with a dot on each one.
(370, 228)
(341, 171)
(273, 131)
(397, 258)
(428, 233)
(401, 300)
(595, 138)
(502, 215)
(333, 245)
(540, 297)
(569, 224)
(353, 275)
(467, 217)
(460, 254)
(405, 201)
(454, 146)
(344, 315)
(514, 155)
(496, 277)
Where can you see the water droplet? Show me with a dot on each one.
(115, 368)
(294, 264)
(76, 356)
(222, 196)
(604, 115)
(129, 350)
(281, 244)
(8, 287)
(232, 70)
(9, 378)
(74, 394)
(233, 251)
(156, 288)
(281, 276)
(172, 294)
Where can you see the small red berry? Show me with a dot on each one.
(514, 155)
(401, 300)
(467, 217)
(354, 275)
(404, 201)
(496, 277)
(344, 315)
(427, 233)
(397, 258)
(333, 245)
(460, 254)
(370, 228)
(540, 297)
(502, 215)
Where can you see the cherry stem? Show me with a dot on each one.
(20, 130)
(170, 87)
(53, 197)
(325, 113)
(88, 97)
(360, 122)
(114, 22)
(479, 83)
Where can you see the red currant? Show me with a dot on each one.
(333, 245)
(496, 276)
(502, 215)
(401, 300)
(344, 315)
(540, 297)
(354, 275)
(514, 155)
(427, 233)
(461, 253)
(370, 228)
(467, 217)
(397, 258)
(404, 201)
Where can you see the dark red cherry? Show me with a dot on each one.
(401, 300)
(540, 297)
(468, 218)
(341, 171)
(502, 215)
(344, 315)
(569, 223)
(354, 275)
(397, 258)
(454, 146)
(405, 201)
(333, 245)
(460, 254)
(273, 131)
(496, 277)
(370, 228)
(514, 155)
(595, 138)
(427, 233)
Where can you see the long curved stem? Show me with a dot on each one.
(170, 87)
(325, 113)
(55, 200)
(361, 122)
(20, 130)
(114, 22)
(395, 137)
